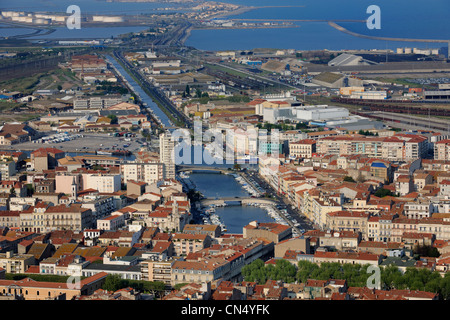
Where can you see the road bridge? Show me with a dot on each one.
(193, 168)
(242, 200)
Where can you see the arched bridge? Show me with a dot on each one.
(182, 168)
(243, 200)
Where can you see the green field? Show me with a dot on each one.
(45, 80)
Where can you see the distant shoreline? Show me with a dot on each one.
(342, 29)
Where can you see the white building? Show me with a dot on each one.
(113, 222)
(104, 183)
(145, 172)
(304, 113)
(167, 154)
(369, 95)
(418, 210)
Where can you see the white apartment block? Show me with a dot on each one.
(104, 183)
(144, 172)
(111, 222)
(167, 155)
(418, 210)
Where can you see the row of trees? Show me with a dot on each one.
(114, 282)
(283, 126)
(356, 275)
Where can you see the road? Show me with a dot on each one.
(252, 75)
(414, 122)
(176, 37)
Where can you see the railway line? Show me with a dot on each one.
(424, 124)
(236, 82)
(396, 107)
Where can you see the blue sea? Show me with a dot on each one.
(399, 18)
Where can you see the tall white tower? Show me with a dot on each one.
(167, 154)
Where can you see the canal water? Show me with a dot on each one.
(235, 217)
(144, 97)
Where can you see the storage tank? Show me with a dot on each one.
(98, 18)
(42, 21)
(113, 19)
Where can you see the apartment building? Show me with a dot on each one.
(104, 183)
(112, 222)
(100, 205)
(42, 218)
(401, 225)
(418, 209)
(302, 149)
(212, 230)
(319, 208)
(167, 155)
(206, 270)
(40, 290)
(442, 150)
(158, 270)
(16, 263)
(147, 172)
(7, 169)
(355, 221)
(271, 231)
(421, 180)
(347, 257)
(348, 145)
(379, 227)
(336, 240)
(189, 243)
(400, 147)
(10, 219)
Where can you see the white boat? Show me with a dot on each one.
(106, 153)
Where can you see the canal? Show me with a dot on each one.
(141, 93)
(235, 217)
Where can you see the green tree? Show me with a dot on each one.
(114, 119)
(383, 193)
(349, 179)
(426, 251)
(113, 282)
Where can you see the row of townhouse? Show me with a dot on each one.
(400, 147)
(45, 218)
(218, 262)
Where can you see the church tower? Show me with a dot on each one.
(74, 190)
